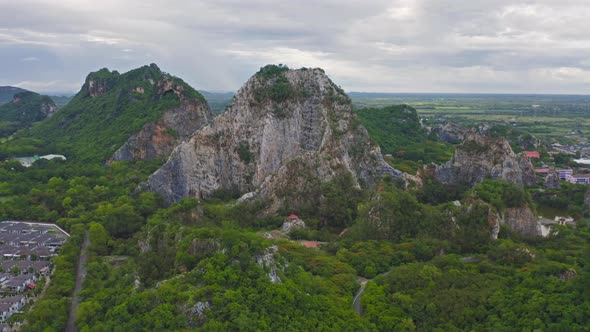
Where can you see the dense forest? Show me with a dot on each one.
(206, 264)
(417, 258)
(399, 133)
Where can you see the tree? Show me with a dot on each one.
(339, 200)
(98, 239)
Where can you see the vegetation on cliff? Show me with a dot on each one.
(212, 264)
(23, 110)
(8, 92)
(109, 108)
(398, 132)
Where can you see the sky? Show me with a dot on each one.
(461, 46)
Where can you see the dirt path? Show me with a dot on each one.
(356, 303)
(80, 275)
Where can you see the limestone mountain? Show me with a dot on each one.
(480, 157)
(286, 132)
(141, 114)
(23, 110)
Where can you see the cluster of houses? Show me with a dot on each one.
(25, 250)
(583, 149)
(566, 174)
(10, 305)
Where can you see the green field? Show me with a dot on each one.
(551, 118)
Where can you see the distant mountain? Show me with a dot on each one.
(7, 92)
(218, 101)
(24, 109)
(141, 114)
(61, 100)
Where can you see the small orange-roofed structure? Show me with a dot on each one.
(311, 244)
(532, 154)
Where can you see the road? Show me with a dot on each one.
(80, 275)
(356, 303)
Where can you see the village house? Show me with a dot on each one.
(532, 154)
(578, 178)
(563, 173)
(6, 311)
(546, 225)
(17, 301)
(542, 171)
(19, 283)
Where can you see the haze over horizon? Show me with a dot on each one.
(398, 46)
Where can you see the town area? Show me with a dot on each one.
(25, 252)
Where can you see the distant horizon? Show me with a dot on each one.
(73, 93)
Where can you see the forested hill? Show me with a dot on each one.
(110, 108)
(398, 132)
(7, 92)
(23, 110)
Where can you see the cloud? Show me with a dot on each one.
(50, 86)
(30, 59)
(380, 45)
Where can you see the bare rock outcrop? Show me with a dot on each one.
(158, 139)
(449, 132)
(522, 220)
(481, 157)
(99, 83)
(286, 132)
(552, 180)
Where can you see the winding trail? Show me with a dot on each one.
(356, 303)
(80, 275)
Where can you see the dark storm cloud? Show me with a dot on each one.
(395, 45)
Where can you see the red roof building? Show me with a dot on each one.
(293, 217)
(542, 170)
(532, 154)
(311, 244)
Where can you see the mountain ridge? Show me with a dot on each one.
(112, 108)
(286, 132)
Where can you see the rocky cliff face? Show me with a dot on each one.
(522, 220)
(100, 82)
(480, 157)
(449, 132)
(158, 139)
(552, 180)
(285, 133)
